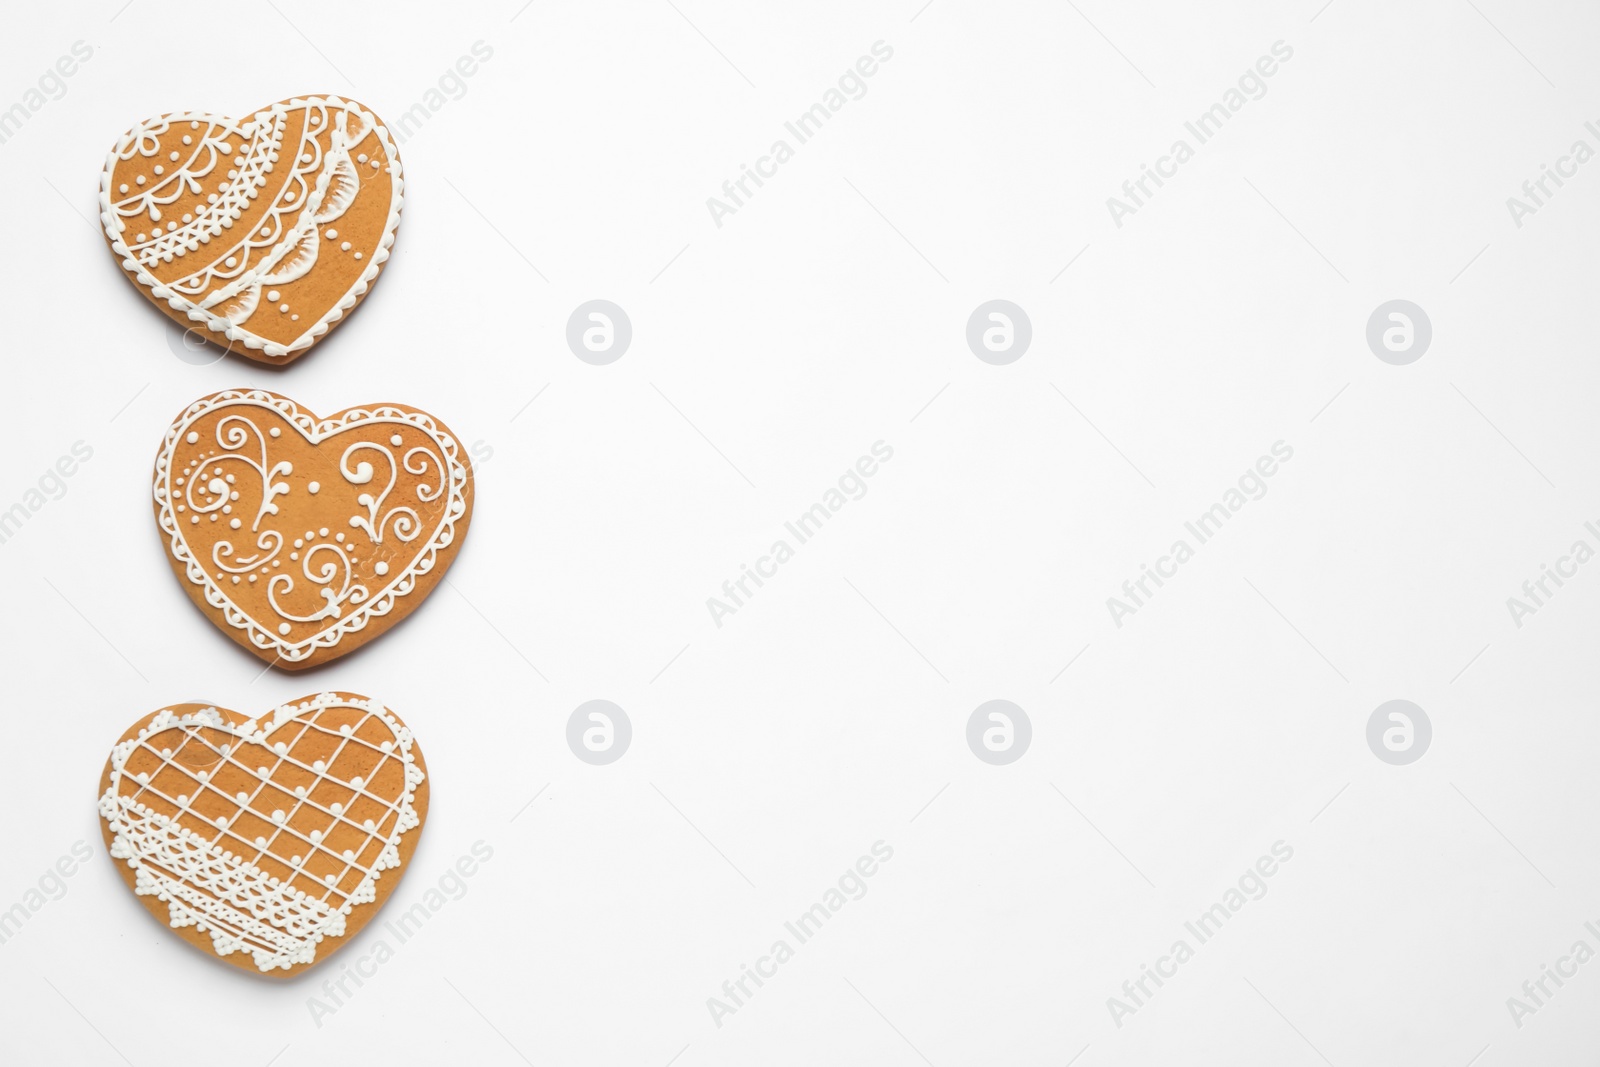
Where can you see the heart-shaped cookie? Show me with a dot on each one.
(304, 538)
(268, 841)
(260, 233)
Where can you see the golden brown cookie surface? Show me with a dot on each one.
(303, 538)
(261, 233)
(269, 841)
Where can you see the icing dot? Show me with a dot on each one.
(381, 569)
(299, 543)
(362, 158)
(338, 537)
(227, 509)
(328, 878)
(294, 556)
(311, 536)
(226, 146)
(331, 234)
(358, 255)
(160, 169)
(183, 799)
(194, 125)
(295, 861)
(171, 226)
(349, 856)
(222, 821)
(336, 807)
(374, 164)
(275, 432)
(280, 748)
(294, 318)
(300, 791)
(262, 771)
(386, 746)
(194, 518)
(217, 485)
(283, 628)
(234, 495)
(369, 825)
(172, 156)
(261, 842)
(323, 532)
(283, 307)
(345, 247)
(272, 295)
(252, 577)
(319, 766)
(234, 524)
(242, 797)
(345, 729)
(229, 479)
(187, 139)
(139, 180)
(188, 218)
(235, 577)
(231, 261)
(278, 817)
(395, 440)
(193, 437)
(203, 776)
(316, 837)
(356, 784)
(122, 188)
(305, 157)
(314, 488)
(214, 517)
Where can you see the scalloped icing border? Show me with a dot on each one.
(259, 730)
(315, 431)
(218, 324)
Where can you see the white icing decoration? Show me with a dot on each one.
(211, 876)
(323, 587)
(223, 291)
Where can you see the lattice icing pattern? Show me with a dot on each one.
(265, 834)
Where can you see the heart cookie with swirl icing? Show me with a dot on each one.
(261, 233)
(303, 538)
(270, 841)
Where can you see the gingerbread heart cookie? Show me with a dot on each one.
(269, 841)
(301, 537)
(259, 233)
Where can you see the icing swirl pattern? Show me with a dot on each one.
(299, 532)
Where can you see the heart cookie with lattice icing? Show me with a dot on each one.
(269, 841)
(260, 233)
(302, 537)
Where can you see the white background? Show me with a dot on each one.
(830, 712)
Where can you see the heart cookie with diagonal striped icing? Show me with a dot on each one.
(268, 841)
(260, 233)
